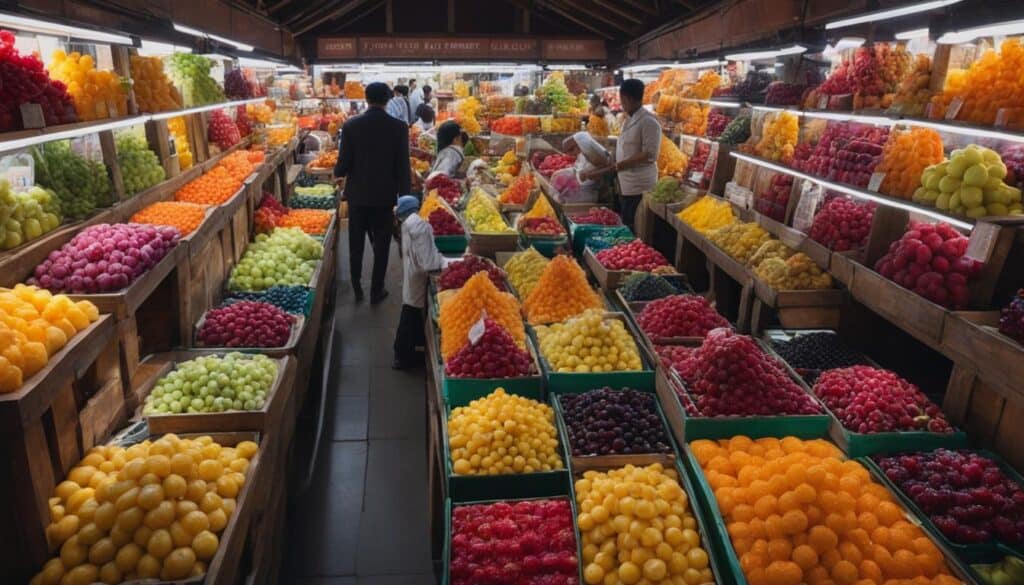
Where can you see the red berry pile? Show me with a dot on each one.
(842, 223)
(597, 216)
(699, 160)
(445, 224)
(494, 355)
(635, 255)
(235, 85)
(773, 201)
(870, 400)
(457, 273)
(730, 375)
(965, 494)
(541, 226)
(447, 188)
(679, 316)
(24, 80)
(529, 542)
(1011, 318)
(555, 162)
(222, 130)
(246, 324)
(716, 123)
(929, 260)
(673, 356)
(1013, 158)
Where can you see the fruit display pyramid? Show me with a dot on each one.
(493, 355)
(460, 312)
(541, 208)
(562, 292)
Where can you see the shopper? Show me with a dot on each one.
(591, 157)
(424, 118)
(416, 94)
(428, 97)
(375, 161)
(450, 140)
(420, 257)
(399, 107)
(636, 152)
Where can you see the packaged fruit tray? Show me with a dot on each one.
(581, 463)
(708, 427)
(723, 572)
(468, 488)
(726, 551)
(263, 419)
(448, 534)
(289, 348)
(969, 553)
(580, 382)
(465, 390)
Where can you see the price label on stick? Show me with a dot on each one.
(822, 102)
(696, 177)
(738, 195)
(810, 196)
(876, 181)
(982, 241)
(476, 332)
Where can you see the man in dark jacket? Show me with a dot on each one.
(374, 157)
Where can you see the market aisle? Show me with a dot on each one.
(363, 521)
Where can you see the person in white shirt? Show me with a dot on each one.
(424, 118)
(591, 157)
(399, 107)
(636, 152)
(450, 140)
(415, 94)
(419, 257)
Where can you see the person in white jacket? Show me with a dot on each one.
(420, 257)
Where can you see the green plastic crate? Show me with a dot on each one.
(467, 488)
(863, 445)
(448, 505)
(580, 232)
(451, 244)
(465, 390)
(970, 553)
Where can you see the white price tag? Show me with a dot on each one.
(696, 177)
(810, 196)
(738, 195)
(822, 102)
(477, 330)
(88, 147)
(876, 181)
(954, 108)
(21, 178)
(982, 242)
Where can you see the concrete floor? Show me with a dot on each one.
(363, 520)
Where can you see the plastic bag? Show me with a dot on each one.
(567, 186)
(19, 170)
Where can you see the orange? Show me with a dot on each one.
(805, 556)
(844, 573)
(563, 292)
(869, 570)
(888, 513)
(794, 522)
(822, 539)
(783, 573)
(780, 549)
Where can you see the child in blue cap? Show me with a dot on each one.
(420, 256)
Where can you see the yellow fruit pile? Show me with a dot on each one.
(739, 240)
(770, 249)
(638, 526)
(707, 214)
(97, 94)
(562, 292)
(796, 512)
(778, 136)
(913, 94)
(34, 325)
(154, 91)
(464, 309)
(671, 160)
(524, 270)
(589, 343)
(483, 216)
(798, 272)
(465, 114)
(176, 126)
(541, 208)
(501, 434)
(431, 203)
(151, 511)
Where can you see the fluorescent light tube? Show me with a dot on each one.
(52, 28)
(891, 13)
(912, 34)
(646, 67)
(700, 64)
(198, 33)
(1014, 27)
(152, 48)
(770, 54)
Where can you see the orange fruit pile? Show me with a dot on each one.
(541, 208)
(34, 325)
(154, 91)
(991, 83)
(462, 310)
(519, 191)
(184, 216)
(905, 156)
(562, 292)
(797, 512)
(222, 181)
(312, 221)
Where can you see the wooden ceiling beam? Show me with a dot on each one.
(643, 6)
(611, 6)
(278, 5)
(595, 14)
(312, 12)
(687, 5)
(348, 7)
(532, 7)
(374, 7)
(571, 17)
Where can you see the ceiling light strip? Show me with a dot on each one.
(891, 13)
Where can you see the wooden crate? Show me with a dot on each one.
(57, 415)
(904, 308)
(608, 279)
(265, 419)
(796, 309)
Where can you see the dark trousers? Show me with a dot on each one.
(630, 203)
(375, 221)
(410, 334)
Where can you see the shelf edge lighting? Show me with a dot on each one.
(645, 67)
(154, 48)
(1014, 27)
(700, 64)
(198, 33)
(17, 143)
(52, 28)
(198, 109)
(755, 55)
(852, 191)
(891, 13)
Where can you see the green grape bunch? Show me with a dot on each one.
(140, 168)
(234, 381)
(81, 185)
(286, 256)
(191, 73)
